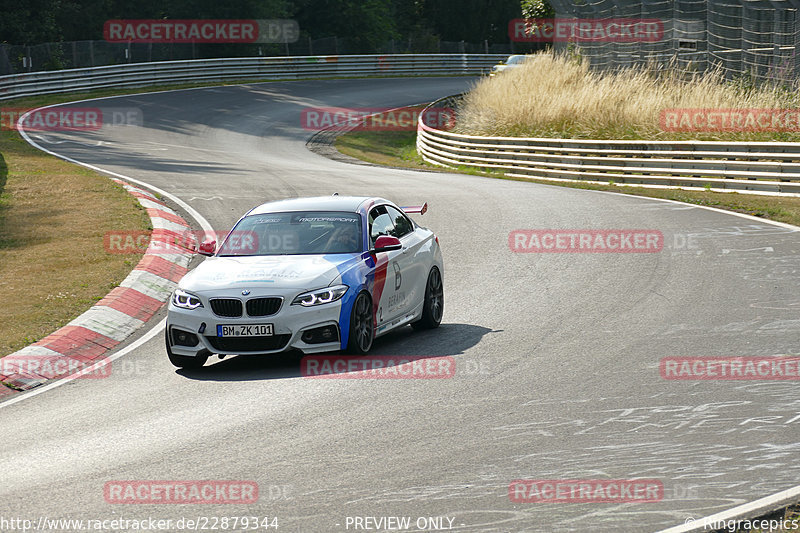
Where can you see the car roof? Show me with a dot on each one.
(319, 203)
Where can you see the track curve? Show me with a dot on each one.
(557, 354)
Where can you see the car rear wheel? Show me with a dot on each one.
(184, 361)
(433, 306)
(362, 331)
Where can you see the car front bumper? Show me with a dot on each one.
(289, 325)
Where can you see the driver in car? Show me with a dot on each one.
(344, 239)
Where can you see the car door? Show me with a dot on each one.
(388, 291)
(410, 264)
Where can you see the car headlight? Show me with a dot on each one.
(320, 296)
(185, 300)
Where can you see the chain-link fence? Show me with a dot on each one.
(747, 39)
(79, 54)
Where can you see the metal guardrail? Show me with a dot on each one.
(288, 68)
(771, 167)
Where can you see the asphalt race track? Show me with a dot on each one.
(557, 373)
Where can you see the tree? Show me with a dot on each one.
(29, 22)
(367, 24)
(471, 20)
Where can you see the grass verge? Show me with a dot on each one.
(53, 216)
(557, 95)
(53, 265)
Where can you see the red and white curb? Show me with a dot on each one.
(85, 341)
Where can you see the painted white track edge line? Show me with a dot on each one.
(709, 208)
(752, 509)
(739, 510)
(155, 330)
(189, 209)
(204, 224)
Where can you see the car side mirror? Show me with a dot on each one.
(207, 248)
(386, 243)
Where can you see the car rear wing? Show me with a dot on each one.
(416, 209)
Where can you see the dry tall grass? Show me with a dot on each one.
(558, 96)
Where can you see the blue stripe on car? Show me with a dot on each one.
(357, 277)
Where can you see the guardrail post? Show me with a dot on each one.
(137, 74)
(742, 166)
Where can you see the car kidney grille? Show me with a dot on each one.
(263, 306)
(228, 307)
(249, 344)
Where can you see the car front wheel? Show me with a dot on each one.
(362, 331)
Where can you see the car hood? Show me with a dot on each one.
(303, 272)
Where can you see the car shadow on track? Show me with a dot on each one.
(446, 340)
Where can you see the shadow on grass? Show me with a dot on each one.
(5, 242)
(3, 173)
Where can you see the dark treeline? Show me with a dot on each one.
(366, 23)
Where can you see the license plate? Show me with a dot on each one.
(242, 330)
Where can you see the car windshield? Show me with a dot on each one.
(295, 233)
(515, 60)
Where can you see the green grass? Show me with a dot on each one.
(52, 261)
(53, 216)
